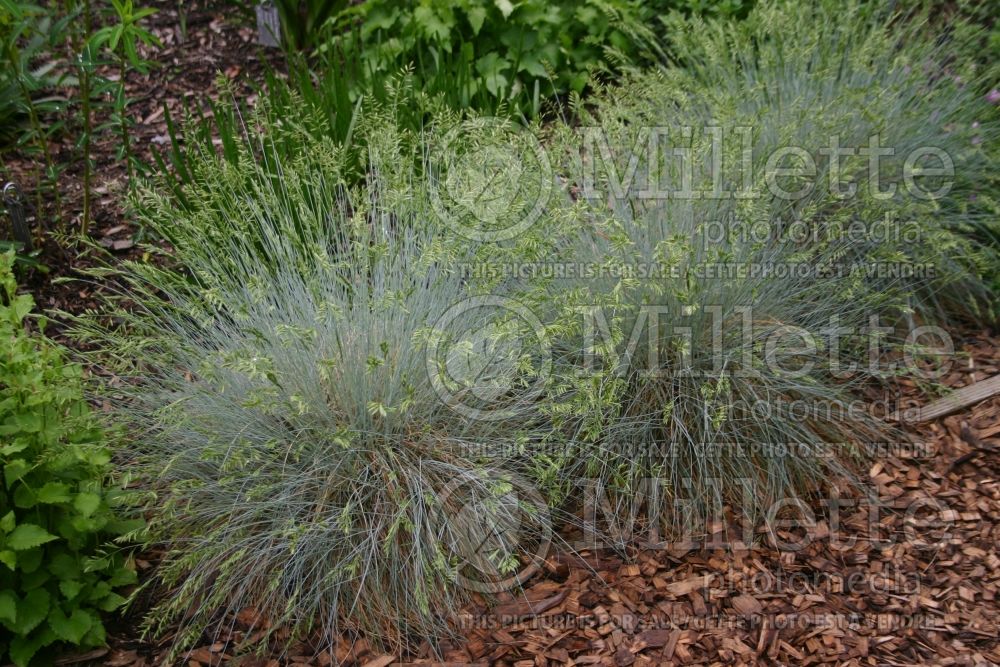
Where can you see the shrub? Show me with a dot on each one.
(302, 462)
(55, 507)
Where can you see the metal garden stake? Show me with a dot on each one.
(268, 24)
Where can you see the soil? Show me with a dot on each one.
(214, 41)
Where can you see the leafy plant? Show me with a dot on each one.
(56, 577)
(28, 36)
(122, 40)
(302, 22)
(481, 53)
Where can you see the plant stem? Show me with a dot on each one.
(40, 140)
(87, 121)
(123, 119)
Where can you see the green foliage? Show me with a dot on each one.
(28, 36)
(302, 22)
(55, 508)
(122, 40)
(54, 48)
(482, 53)
(297, 114)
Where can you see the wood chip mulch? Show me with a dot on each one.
(215, 40)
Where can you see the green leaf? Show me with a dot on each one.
(64, 566)
(96, 636)
(22, 650)
(53, 492)
(31, 610)
(434, 25)
(70, 588)
(8, 558)
(8, 607)
(7, 522)
(27, 536)
(30, 560)
(86, 503)
(111, 602)
(14, 471)
(505, 7)
(476, 16)
(491, 67)
(73, 628)
(24, 497)
(123, 576)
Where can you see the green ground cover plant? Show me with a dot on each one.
(58, 570)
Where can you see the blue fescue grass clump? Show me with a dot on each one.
(812, 75)
(731, 407)
(709, 366)
(273, 372)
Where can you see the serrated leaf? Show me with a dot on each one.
(8, 558)
(64, 566)
(28, 536)
(96, 636)
(86, 503)
(30, 560)
(111, 602)
(22, 650)
(72, 628)
(70, 588)
(53, 492)
(14, 471)
(8, 607)
(31, 610)
(7, 522)
(24, 497)
(123, 576)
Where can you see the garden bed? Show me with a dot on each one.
(183, 77)
(839, 600)
(909, 577)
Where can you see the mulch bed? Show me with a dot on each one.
(217, 41)
(911, 579)
(871, 585)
